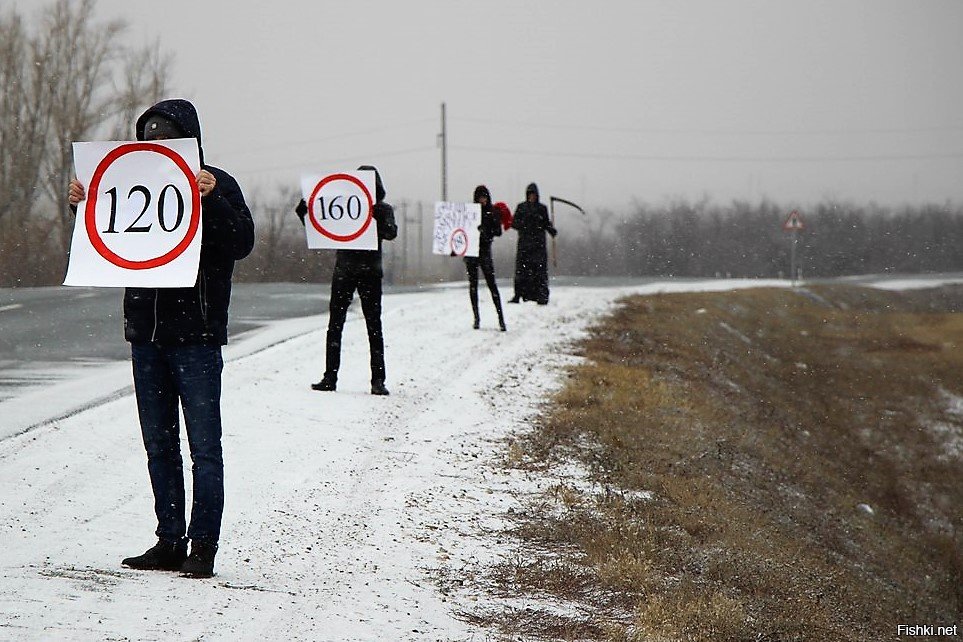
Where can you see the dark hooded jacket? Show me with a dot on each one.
(490, 223)
(368, 262)
(531, 257)
(198, 314)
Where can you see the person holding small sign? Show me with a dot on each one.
(359, 270)
(531, 257)
(490, 228)
(176, 334)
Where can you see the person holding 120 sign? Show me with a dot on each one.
(359, 270)
(176, 336)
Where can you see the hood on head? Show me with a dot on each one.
(180, 112)
(379, 186)
(532, 189)
(480, 191)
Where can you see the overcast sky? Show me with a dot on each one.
(602, 102)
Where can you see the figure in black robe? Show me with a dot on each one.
(531, 257)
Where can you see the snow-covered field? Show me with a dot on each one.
(343, 509)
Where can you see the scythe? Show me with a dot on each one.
(551, 202)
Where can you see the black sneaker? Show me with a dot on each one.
(163, 556)
(378, 387)
(327, 384)
(200, 563)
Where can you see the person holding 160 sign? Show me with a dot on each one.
(354, 269)
(176, 335)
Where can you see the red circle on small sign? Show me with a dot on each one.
(90, 210)
(456, 233)
(314, 196)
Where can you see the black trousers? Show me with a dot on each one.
(343, 286)
(483, 261)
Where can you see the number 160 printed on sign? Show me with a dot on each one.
(340, 211)
(140, 225)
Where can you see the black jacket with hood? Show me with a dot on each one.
(490, 226)
(531, 221)
(367, 263)
(198, 314)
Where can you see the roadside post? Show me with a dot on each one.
(793, 225)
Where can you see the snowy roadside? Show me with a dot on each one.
(343, 510)
(338, 505)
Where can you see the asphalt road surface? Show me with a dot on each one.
(43, 329)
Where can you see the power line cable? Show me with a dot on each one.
(712, 159)
(301, 142)
(712, 132)
(329, 161)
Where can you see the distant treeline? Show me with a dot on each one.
(746, 240)
(679, 238)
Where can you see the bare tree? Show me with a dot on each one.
(276, 238)
(143, 83)
(64, 77)
(78, 53)
(23, 117)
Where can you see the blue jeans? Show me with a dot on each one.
(191, 374)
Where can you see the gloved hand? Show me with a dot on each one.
(551, 230)
(301, 210)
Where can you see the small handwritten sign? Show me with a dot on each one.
(456, 229)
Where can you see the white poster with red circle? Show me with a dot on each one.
(456, 229)
(140, 225)
(340, 211)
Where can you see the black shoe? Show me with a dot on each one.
(163, 556)
(501, 326)
(327, 384)
(200, 563)
(378, 387)
(514, 299)
(476, 324)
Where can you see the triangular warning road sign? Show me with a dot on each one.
(794, 222)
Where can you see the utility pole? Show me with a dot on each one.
(443, 139)
(421, 241)
(404, 242)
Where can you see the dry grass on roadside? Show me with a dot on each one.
(803, 453)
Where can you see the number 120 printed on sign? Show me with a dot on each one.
(140, 225)
(340, 211)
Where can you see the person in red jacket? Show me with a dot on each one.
(490, 228)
